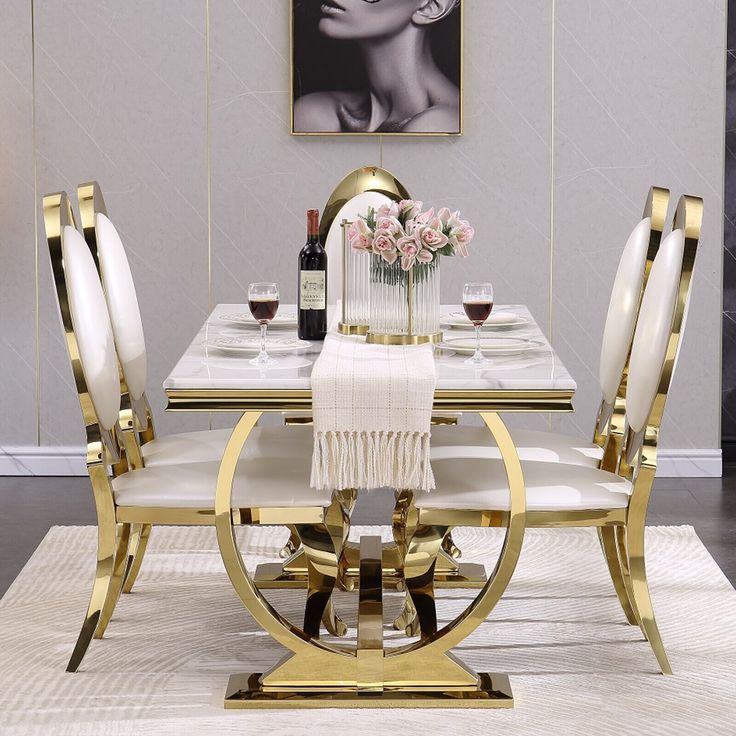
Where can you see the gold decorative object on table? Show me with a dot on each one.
(368, 186)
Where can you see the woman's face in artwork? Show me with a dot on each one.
(364, 19)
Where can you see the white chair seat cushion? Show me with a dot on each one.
(273, 472)
(477, 484)
(188, 447)
(532, 446)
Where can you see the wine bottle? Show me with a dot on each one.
(312, 283)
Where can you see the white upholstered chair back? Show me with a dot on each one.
(654, 330)
(357, 205)
(122, 304)
(91, 327)
(623, 309)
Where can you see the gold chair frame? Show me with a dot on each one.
(632, 456)
(119, 551)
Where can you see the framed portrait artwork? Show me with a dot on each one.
(376, 67)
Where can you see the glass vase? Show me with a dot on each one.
(404, 304)
(356, 292)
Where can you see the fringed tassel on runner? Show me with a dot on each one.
(372, 460)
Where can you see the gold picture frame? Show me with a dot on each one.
(461, 91)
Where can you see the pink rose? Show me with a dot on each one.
(360, 242)
(389, 224)
(390, 256)
(424, 217)
(383, 241)
(387, 210)
(408, 208)
(425, 256)
(427, 237)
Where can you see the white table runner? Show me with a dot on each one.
(372, 407)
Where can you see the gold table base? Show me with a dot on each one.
(246, 691)
(292, 573)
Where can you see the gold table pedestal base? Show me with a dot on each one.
(493, 691)
(292, 573)
(272, 575)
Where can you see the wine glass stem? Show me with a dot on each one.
(478, 356)
(263, 355)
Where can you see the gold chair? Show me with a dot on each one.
(266, 490)
(472, 484)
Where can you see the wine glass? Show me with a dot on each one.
(263, 300)
(478, 303)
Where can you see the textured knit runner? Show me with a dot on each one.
(372, 407)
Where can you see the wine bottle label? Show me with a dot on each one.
(312, 290)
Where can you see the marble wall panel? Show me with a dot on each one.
(17, 243)
(121, 95)
(639, 101)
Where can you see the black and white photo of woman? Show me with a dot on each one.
(376, 66)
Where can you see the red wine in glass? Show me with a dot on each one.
(478, 311)
(263, 309)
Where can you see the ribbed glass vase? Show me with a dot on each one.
(356, 289)
(389, 299)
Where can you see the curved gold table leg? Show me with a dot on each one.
(403, 525)
(319, 549)
(609, 544)
(138, 543)
(319, 674)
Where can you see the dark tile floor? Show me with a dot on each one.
(29, 506)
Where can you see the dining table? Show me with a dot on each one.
(367, 672)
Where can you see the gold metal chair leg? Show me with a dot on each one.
(138, 542)
(321, 559)
(106, 533)
(609, 544)
(116, 581)
(292, 544)
(421, 556)
(640, 589)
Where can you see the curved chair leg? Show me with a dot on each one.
(292, 544)
(332, 622)
(116, 581)
(106, 532)
(607, 536)
(321, 557)
(449, 546)
(421, 557)
(138, 543)
(640, 591)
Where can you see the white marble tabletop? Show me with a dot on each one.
(204, 368)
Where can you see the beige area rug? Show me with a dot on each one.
(576, 667)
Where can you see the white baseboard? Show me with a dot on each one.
(689, 464)
(34, 460)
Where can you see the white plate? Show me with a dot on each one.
(492, 345)
(282, 320)
(497, 319)
(251, 345)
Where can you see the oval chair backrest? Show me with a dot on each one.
(122, 304)
(623, 309)
(654, 330)
(91, 327)
(350, 211)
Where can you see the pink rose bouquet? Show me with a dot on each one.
(401, 231)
